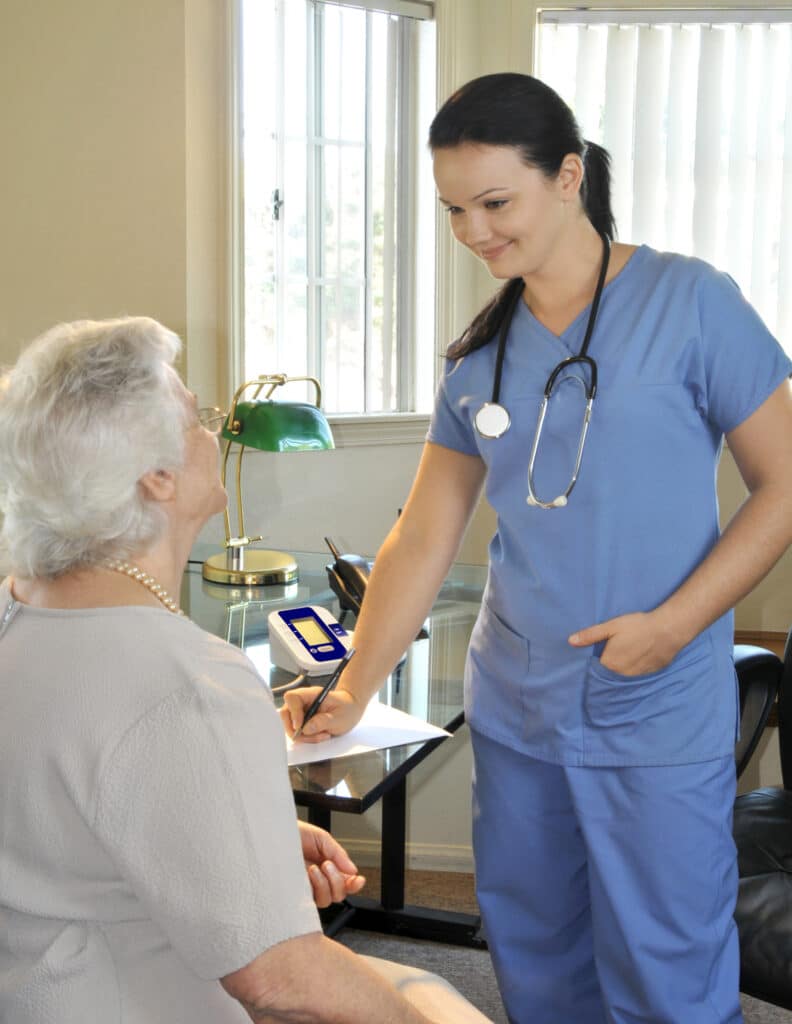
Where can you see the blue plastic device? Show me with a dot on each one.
(308, 639)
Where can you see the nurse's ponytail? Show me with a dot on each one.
(509, 109)
(595, 192)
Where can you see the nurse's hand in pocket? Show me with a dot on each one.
(340, 712)
(635, 644)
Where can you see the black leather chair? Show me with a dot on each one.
(759, 676)
(763, 833)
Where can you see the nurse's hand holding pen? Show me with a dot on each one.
(340, 712)
(314, 714)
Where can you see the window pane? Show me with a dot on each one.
(292, 358)
(294, 215)
(259, 64)
(345, 207)
(323, 132)
(260, 319)
(342, 375)
(291, 23)
(344, 73)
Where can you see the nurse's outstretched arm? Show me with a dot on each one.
(408, 571)
(757, 536)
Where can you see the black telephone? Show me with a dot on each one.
(348, 576)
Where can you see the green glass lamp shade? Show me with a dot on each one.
(270, 427)
(280, 427)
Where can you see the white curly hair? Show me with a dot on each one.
(88, 408)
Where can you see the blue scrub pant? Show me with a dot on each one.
(607, 894)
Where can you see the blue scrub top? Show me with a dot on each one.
(682, 359)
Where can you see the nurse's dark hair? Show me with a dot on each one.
(510, 109)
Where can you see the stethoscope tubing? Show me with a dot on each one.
(508, 316)
(492, 420)
(561, 500)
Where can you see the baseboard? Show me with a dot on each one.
(419, 856)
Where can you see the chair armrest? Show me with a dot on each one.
(759, 675)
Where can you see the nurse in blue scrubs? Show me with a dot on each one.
(599, 689)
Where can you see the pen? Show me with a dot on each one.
(328, 686)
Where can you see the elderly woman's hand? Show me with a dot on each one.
(332, 874)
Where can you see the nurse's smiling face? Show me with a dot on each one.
(510, 214)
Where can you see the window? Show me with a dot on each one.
(336, 211)
(695, 108)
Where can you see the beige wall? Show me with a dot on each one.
(207, 176)
(92, 97)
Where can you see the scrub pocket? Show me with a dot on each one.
(614, 699)
(673, 716)
(495, 673)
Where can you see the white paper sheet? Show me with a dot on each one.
(381, 726)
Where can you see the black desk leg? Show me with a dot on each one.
(319, 816)
(391, 916)
(394, 843)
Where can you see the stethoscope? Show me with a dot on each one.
(492, 420)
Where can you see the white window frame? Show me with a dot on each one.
(349, 430)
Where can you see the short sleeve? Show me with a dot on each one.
(448, 426)
(743, 362)
(196, 811)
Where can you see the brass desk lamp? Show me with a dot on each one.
(270, 427)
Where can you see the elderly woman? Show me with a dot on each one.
(148, 842)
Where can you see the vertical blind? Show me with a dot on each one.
(696, 111)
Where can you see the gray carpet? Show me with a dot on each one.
(470, 970)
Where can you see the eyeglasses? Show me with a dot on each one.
(211, 418)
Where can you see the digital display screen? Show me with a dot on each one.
(311, 632)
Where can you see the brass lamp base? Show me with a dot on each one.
(258, 569)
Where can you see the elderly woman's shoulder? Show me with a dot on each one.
(155, 655)
(219, 656)
(193, 651)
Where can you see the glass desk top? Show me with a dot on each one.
(428, 682)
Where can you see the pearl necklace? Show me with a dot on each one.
(148, 581)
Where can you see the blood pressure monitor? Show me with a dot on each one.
(308, 640)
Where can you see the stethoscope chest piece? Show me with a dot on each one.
(492, 420)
